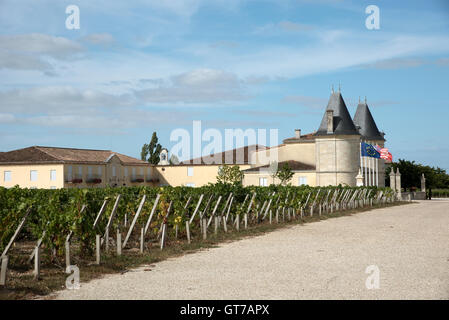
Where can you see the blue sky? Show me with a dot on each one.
(135, 67)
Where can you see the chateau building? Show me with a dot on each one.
(329, 156)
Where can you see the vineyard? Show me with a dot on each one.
(67, 223)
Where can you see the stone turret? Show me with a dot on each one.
(337, 145)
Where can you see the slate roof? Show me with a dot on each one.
(42, 155)
(364, 121)
(343, 123)
(293, 165)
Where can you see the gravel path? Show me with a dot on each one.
(321, 260)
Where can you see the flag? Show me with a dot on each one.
(368, 150)
(385, 154)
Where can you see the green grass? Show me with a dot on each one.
(21, 283)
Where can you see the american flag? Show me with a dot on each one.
(384, 153)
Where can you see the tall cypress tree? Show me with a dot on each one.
(151, 152)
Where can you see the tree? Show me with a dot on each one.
(411, 175)
(151, 152)
(273, 169)
(230, 174)
(284, 174)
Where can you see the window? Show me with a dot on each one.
(126, 171)
(190, 171)
(33, 175)
(80, 170)
(141, 171)
(302, 181)
(7, 176)
(190, 184)
(263, 182)
(114, 172)
(69, 172)
(99, 171)
(89, 171)
(134, 172)
(52, 175)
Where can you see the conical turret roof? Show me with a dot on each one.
(364, 121)
(342, 121)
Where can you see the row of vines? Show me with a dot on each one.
(59, 212)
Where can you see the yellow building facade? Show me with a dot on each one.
(329, 156)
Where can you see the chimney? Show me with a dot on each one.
(330, 121)
(298, 133)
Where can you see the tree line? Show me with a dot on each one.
(411, 173)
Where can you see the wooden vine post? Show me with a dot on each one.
(119, 242)
(111, 217)
(164, 226)
(153, 210)
(196, 208)
(213, 212)
(37, 262)
(133, 223)
(98, 249)
(4, 257)
(97, 236)
(188, 231)
(204, 228)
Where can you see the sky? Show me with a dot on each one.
(134, 67)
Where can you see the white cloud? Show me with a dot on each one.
(58, 100)
(396, 63)
(294, 26)
(99, 39)
(283, 27)
(7, 118)
(16, 61)
(443, 62)
(289, 61)
(306, 101)
(197, 86)
(32, 51)
(320, 103)
(37, 43)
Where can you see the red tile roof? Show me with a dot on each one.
(38, 154)
(234, 156)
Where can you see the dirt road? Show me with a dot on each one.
(409, 244)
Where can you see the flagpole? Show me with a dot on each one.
(360, 151)
(364, 168)
(377, 172)
(369, 171)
